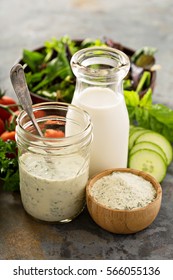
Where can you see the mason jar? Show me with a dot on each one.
(54, 169)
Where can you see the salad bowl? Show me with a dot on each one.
(49, 76)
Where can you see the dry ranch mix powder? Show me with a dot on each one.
(123, 191)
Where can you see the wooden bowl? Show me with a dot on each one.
(123, 221)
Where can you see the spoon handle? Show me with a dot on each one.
(18, 81)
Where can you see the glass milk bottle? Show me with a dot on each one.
(99, 74)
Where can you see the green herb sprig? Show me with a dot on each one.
(144, 113)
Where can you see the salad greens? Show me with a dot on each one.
(142, 112)
(48, 71)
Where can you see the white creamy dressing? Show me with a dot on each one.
(123, 191)
(110, 120)
(53, 190)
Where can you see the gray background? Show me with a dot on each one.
(134, 23)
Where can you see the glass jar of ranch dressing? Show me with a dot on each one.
(100, 72)
(54, 169)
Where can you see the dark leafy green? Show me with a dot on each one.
(48, 71)
(37, 59)
(9, 173)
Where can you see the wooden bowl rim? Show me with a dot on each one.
(142, 174)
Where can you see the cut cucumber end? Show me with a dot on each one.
(150, 146)
(134, 134)
(150, 162)
(159, 140)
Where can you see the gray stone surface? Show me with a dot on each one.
(134, 23)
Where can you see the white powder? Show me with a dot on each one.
(123, 191)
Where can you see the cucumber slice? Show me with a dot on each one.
(134, 128)
(150, 162)
(134, 135)
(159, 140)
(150, 146)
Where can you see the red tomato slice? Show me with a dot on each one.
(52, 133)
(8, 135)
(39, 114)
(6, 100)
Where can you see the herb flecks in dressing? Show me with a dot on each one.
(52, 190)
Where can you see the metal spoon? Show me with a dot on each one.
(18, 81)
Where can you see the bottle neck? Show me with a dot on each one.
(100, 65)
(83, 84)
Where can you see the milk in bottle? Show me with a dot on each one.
(99, 72)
